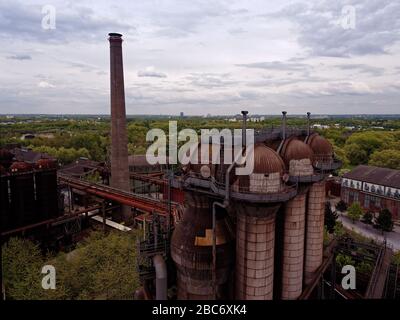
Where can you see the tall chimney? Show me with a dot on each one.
(119, 138)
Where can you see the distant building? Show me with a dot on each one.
(182, 114)
(374, 188)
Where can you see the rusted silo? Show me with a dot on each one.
(298, 158)
(191, 250)
(255, 227)
(46, 189)
(5, 158)
(314, 230)
(324, 157)
(22, 191)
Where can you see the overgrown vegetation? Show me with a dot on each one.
(102, 267)
(89, 136)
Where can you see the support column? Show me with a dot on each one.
(255, 256)
(315, 230)
(293, 248)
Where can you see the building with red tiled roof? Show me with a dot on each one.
(374, 188)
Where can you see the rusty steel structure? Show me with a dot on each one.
(277, 213)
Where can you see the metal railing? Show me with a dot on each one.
(239, 192)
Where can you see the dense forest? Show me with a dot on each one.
(374, 141)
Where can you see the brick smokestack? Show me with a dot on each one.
(119, 138)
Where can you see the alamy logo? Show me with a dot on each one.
(348, 18)
(49, 19)
(349, 280)
(49, 280)
(188, 153)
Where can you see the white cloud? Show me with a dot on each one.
(202, 56)
(150, 72)
(45, 84)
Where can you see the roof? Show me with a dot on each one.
(27, 155)
(81, 166)
(138, 161)
(376, 175)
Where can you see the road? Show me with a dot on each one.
(392, 238)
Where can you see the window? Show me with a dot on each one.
(366, 201)
(346, 195)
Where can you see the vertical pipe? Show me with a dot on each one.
(161, 277)
(103, 212)
(214, 252)
(244, 128)
(283, 131)
(308, 124)
(284, 125)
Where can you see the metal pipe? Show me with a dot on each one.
(308, 126)
(214, 245)
(283, 131)
(161, 277)
(284, 125)
(244, 113)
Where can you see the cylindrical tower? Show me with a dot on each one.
(298, 159)
(315, 230)
(255, 227)
(191, 250)
(323, 151)
(119, 138)
(293, 247)
(4, 199)
(22, 194)
(46, 189)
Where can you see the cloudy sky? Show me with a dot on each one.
(201, 57)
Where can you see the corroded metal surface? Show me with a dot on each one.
(191, 250)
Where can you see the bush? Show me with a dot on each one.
(384, 221)
(102, 267)
(330, 218)
(341, 206)
(355, 211)
(367, 217)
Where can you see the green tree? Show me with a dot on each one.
(22, 263)
(384, 221)
(101, 267)
(355, 211)
(343, 260)
(341, 206)
(386, 158)
(339, 229)
(356, 154)
(367, 217)
(330, 218)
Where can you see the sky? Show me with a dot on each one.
(202, 57)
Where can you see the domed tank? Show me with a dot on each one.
(267, 172)
(215, 170)
(22, 191)
(255, 226)
(46, 189)
(298, 157)
(191, 250)
(322, 148)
